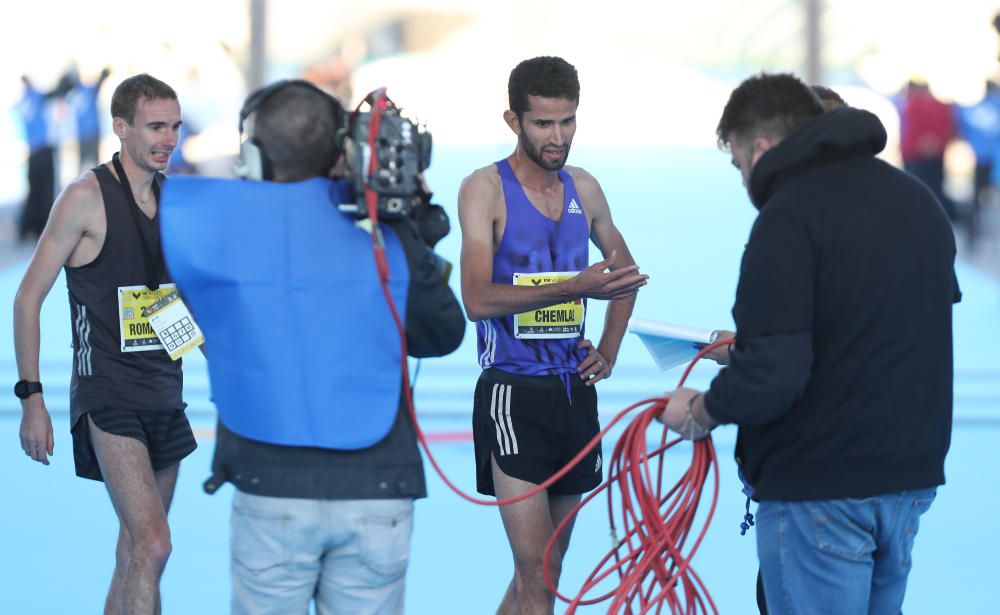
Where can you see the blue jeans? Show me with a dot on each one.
(348, 555)
(843, 557)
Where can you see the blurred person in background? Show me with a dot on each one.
(179, 163)
(979, 126)
(36, 113)
(196, 105)
(127, 415)
(926, 127)
(334, 75)
(83, 101)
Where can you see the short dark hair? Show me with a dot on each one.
(829, 98)
(299, 129)
(771, 105)
(545, 76)
(125, 100)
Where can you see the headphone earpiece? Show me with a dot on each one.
(252, 163)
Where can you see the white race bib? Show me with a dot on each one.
(174, 325)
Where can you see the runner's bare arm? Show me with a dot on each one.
(479, 200)
(71, 217)
(609, 240)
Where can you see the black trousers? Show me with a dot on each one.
(983, 181)
(41, 192)
(89, 149)
(931, 172)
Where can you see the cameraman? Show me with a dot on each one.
(314, 523)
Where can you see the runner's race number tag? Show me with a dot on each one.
(563, 320)
(139, 334)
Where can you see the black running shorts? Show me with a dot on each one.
(533, 426)
(166, 433)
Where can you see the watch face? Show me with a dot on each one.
(24, 389)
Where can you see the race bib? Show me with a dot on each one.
(558, 321)
(137, 335)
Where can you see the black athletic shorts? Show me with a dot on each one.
(166, 433)
(533, 426)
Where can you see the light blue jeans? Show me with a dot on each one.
(842, 557)
(348, 555)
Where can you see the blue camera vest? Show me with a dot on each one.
(302, 348)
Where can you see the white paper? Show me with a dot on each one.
(670, 344)
(174, 326)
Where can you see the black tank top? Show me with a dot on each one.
(104, 376)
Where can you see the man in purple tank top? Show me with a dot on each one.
(526, 221)
(127, 415)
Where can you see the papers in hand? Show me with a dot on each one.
(670, 344)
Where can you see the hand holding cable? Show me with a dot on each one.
(686, 414)
(653, 567)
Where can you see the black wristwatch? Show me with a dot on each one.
(24, 389)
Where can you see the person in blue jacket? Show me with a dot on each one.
(83, 101)
(34, 109)
(979, 126)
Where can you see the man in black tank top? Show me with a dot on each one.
(127, 414)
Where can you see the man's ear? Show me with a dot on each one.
(119, 125)
(761, 145)
(511, 118)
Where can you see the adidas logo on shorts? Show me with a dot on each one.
(597, 468)
(574, 207)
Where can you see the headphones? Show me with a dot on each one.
(253, 162)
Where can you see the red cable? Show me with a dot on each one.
(649, 558)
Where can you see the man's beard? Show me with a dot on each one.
(535, 155)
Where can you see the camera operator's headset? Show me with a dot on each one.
(253, 162)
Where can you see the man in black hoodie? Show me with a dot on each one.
(840, 378)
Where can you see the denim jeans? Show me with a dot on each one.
(843, 557)
(348, 555)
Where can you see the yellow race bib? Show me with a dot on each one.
(562, 320)
(137, 335)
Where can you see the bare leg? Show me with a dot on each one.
(141, 499)
(112, 605)
(529, 525)
(166, 480)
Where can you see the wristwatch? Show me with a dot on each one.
(24, 389)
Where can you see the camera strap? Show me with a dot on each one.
(378, 102)
(153, 257)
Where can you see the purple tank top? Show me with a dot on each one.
(540, 342)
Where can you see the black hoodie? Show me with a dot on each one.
(841, 378)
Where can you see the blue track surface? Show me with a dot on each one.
(686, 218)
